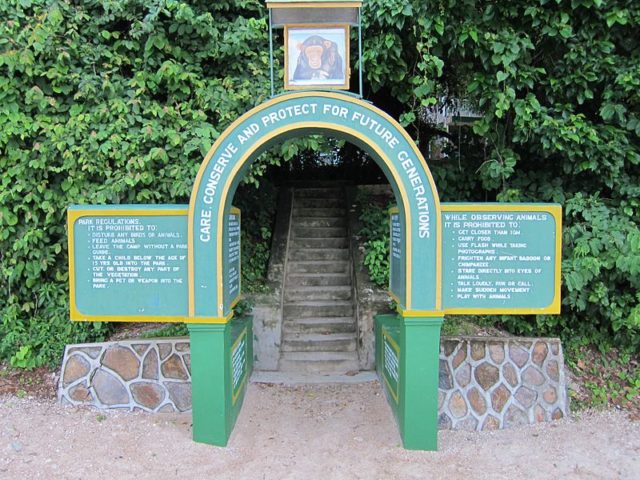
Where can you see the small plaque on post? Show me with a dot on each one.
(232, 263)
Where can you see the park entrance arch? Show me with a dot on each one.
(415, 265)
(176, 263)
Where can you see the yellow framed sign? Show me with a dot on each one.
(130, 263)
(501, 258)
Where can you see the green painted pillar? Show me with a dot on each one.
(209, 383)
(419, 367)
(221, 364)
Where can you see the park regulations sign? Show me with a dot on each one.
(130, 263)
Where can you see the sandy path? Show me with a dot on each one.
(305, 432)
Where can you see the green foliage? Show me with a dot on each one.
(117, 102)
(258, 207)
(610, 379)
(377, 261)
(557, 85)
(173, 330)
(23, 358)
(459, 325)
(106, 102)
(374, 234)
(242, 308)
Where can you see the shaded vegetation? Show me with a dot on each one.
(118, 101)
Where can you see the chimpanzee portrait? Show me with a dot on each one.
(318, 60)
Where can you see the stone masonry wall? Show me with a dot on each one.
(485, 382)
(151, 375)
(491, 383)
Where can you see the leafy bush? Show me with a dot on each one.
(117, 102)
(173, 330)
(105, 102)
(558, 87)
(374, 234)
(258, 207)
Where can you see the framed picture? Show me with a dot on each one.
(316, 57)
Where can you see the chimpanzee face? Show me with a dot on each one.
(314, 56)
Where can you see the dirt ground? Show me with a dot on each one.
(302, 432)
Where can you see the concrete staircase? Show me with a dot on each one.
(319, 327)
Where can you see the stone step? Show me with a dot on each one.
(318, 192)
(319, 325)
(319, 212)
(318, 342)
(319, 232)
(311, 254)
(319, 362)
(297, 293)
(318, 279)
(334, 266)
(320, 222)
(310, 202)
(317, 308)
(337, 242)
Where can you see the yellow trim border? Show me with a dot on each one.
(420, 313)
(555, 211)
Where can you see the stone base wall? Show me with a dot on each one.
(491, 383)
(485, 383)
(150, 375)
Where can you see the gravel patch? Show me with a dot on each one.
(302, 432)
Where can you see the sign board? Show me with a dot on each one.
(238, 365)
(391, 363)
(232, 259)
(501, 258)
(130, 263)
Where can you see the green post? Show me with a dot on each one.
(408, 364)
(419, 367)
(221, 364)
(209, 383)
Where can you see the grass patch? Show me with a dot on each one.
(173, 330)
(604, 379)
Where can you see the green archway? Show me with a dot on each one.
(415, 265)
(415, 282)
